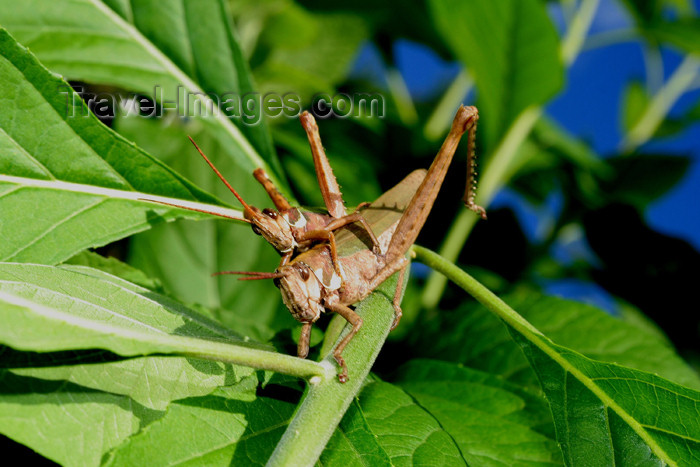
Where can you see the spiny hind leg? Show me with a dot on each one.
(398, 265)
(397, 297)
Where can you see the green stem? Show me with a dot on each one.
(327, 399)
(473, 288)
(604, 39)
(256, 358)
(680, 81)
(653, 67)
(578, 31)
(441, 118)
(402, 97)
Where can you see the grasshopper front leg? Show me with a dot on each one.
(356, 322)
(304, 339)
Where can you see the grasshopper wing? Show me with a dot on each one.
(383, 216)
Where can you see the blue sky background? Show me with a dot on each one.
(589, 107)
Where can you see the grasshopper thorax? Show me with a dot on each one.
(301, 291)
(272, 226)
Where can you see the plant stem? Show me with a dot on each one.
(327, 399)
(473, 288)
(402, 97)
(680, 81)
(255, 358)
(441, 118)
(578, 30)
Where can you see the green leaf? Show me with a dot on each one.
(649, 12)
(116, 268)
(233, 427)
(67, 423)
(575, 325)
(307, 70)
(636, 102)
(511, 49)
(67, 182)
(643, 178)
(53, 308)
(492, 422)
(385, 426)
(83, 311)
(604, 414)
(354, 443)
(162, 50)
(151, 381)
(683, 33)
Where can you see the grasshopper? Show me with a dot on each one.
(290, 229)
(309, 283)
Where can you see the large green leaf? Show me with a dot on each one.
(643, 178)
(444, 414)
(306, 67)
(492, 421)
(511, 49)
(67, 423)
(176, 47)
(233, 427)
(683, 33)
(67, 182)
(471, 335)
(151, 381)
(63, 308)
(116, 268)
(604, 414)
(385, 426)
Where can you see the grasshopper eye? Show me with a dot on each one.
(270, 213)
(256, 229)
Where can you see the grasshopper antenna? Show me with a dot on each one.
(254, 275)
(195, 209)
(246, 208)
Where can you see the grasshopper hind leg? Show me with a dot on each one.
(356, 322)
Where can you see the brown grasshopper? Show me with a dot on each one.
(292, 230)
(310, 284)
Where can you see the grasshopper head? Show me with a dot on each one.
(272, 227)
(301, 291)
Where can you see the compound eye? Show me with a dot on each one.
(270, 213)
(256, 229)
